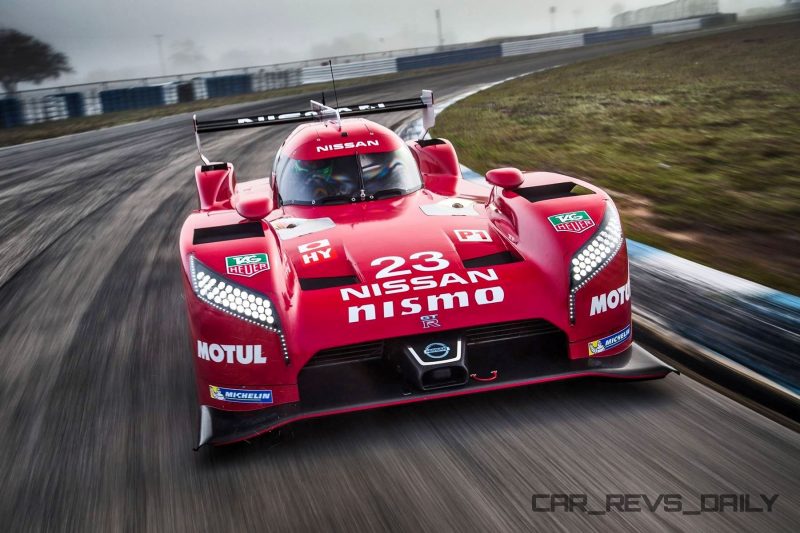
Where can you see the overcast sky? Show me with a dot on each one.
(107, 39)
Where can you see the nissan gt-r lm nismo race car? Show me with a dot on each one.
(366, 272)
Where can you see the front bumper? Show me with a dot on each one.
(336, 389)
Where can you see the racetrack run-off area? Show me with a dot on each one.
(99, 408)
(698, 141)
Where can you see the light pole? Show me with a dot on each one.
(439, 27)
(552, 19)
(158, 37)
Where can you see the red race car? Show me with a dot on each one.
(366, 272)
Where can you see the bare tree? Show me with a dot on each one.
(26, 58)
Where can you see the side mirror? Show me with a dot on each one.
(254, 207)
(506, 178)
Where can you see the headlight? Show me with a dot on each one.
(595, 254)
(229, 297)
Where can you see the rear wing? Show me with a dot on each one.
(317, 112)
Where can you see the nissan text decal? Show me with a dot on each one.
(347, 146)
(402, 269)
(299, 114)
(242, 354)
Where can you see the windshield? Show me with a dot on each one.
(341, 179)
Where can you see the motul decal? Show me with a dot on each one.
(231, 354)
(610, 300)
(246, 265)
(473, 235)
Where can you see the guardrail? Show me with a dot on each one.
(36, 106)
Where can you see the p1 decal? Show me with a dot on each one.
(316, 251)
(574, 222)
(246, 265)
(240, 395)
(473, 235)
(243, 354)
(601, 345)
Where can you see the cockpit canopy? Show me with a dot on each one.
(346, 179)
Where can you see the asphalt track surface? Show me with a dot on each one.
(98, 405)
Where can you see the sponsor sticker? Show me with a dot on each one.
(460, 290)
(436, 350)
(615, 339)
(574, 222)
(473, 235)
(316, 251)
(611, 300)
(243, 354)
(240, 395)
(430, 321)
(246, 265)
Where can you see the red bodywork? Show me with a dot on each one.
(394, 268)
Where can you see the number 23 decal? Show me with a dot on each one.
(423, 261)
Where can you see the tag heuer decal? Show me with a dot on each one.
(246, 265)
(574, 222)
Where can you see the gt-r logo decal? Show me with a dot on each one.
(574, 222)
(243, 354)
(430, 321)
(246, 265)
(240, 395)
(612, 300)
(473, 235)
(317, 251)
(609, 342)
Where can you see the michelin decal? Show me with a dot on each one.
(601, 345)
(240, 395)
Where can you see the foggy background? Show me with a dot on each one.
(113, 39)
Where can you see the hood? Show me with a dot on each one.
(378, 241)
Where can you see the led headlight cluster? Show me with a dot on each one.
(241, 302)
(595, 254)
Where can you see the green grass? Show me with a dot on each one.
(699, 142)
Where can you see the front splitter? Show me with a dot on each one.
(218, 427)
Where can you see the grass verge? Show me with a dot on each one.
(697, 140)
